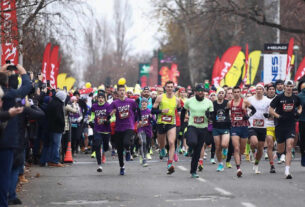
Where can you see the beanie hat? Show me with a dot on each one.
(144, 100)
(61, 95)
(220, 89)
(259, 85)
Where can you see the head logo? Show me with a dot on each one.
(274, 68)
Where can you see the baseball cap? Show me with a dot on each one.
(199, 87)
(279, 82)
(100, 93)
(146, 89)
(289, 82)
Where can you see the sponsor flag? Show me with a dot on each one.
(246, 65)
(69, 83)
(9, 32)
(234, 74)
(227, 61)
(289, 57)
(45, 62)
(254, 60)
(52, 66)
(61, 78)
(216, 72)
(301, 71)
(274, 67)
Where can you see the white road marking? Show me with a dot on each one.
(79, 202)
(202, 180)
(222, 191)
(189, 199)
(182, 168)
(247, 204)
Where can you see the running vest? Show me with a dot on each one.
(237, 115)
(171, 104)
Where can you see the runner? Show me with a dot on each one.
(221, 127)
(126, 111)
(240, 123)
(167, 103)
(197, 131)
(270, 128)
(301, 95)
(257, 131)
(286, 108)
(100, 114)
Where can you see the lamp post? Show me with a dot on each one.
(296, 49)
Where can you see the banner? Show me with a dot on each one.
(235, 72)
(69, 83)
(57, 71)
(301, 71)
(254, 60)
(289, 57)
(9, 32)
(274, 67)
(52, 66)
(61, 78)
(45, 62)
(216, 72)
(144, 70)
(227, 61)
(245, 72)
(169, 74)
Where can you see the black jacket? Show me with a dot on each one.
(56, 116)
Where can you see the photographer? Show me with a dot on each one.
(9, 137)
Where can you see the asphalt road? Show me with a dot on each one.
(80, 185)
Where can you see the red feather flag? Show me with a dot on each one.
(52, 66)
(301, 71)
(46, 62)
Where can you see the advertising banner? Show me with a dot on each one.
(274, 67)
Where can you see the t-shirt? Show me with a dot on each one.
(270, 121)
(262, 106)
(197, 111)
(146, 121)
(221, 116)
(285, 106)
(125, 114)
(101, 112)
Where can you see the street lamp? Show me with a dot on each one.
(296, 49)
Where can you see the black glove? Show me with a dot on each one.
(91, 124)
(266, 115)
(282, 118)
(246, 117)
(296, 114)
(106, 122)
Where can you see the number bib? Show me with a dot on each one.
(166, 118)
(238, 118)
(199, 119)
(145, 122)
(124, 114)
(220, 118)
(101, 120)
(258, 122)
(288, 107)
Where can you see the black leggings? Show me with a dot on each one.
(123, 141)
(302, 136)
(100, 139)
(76, 133)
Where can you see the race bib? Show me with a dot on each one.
(166, 118)
(258, 122)
(145, 122)
(124, 114)
(238, 118)
(198, 119)
(220, 118)
(101, 120)
(288, 107)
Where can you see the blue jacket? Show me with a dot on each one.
(302, 99)
(10, 137)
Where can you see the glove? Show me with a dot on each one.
(282, 117)
(266, 115)
(296, 115)
(246, 117)
(106, 122)
(91, 124)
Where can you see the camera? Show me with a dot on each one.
(10, 67)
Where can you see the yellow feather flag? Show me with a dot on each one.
(61, 79)
(69, 83)
(232, 77)
(254, 58)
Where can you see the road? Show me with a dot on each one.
(80, 185)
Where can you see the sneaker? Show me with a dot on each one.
(186, 154)
(195, 175)
(148, 156)
(122, 171)
(162, 153)
(135, 155)
(303, 160)
(22, 179)
(239, 173)
(145, 163)
(255, 169)
(220, 168)
(93, 155)
(151, 151)
(272, 169)
(99, 169)
(247, 157)
(103, 159)
(200, 167)
(180, 150)
(131, 158)
(51, 164)
(283, 158)
(288, 176)
(113, 153)
(213, 161)
(170, 169)
(224, 153)
(228, 165)
(127, 156)
(141, 160)
(252, 157)
(176, 158)
(15, 201)
(266, 156)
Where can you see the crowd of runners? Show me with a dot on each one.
(39, 123)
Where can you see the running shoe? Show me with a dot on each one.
(148, 156)
(272, 169)
(213, 161)
(141, 160)
(176, 158)
(122, 171)
(239, 173)
(93, 155)
(170, 169)
(266, 156)
(151, 151)
(135, 155)
(220, 168)
(200, 165)
(113, 153)
(283, 158)
(99, 169)
(180, 150)
(255, 169)
(186, 154)
(228, 165)
(195, 175)
(288, 176)
(303, 160)
(162, 153)
(247, 157)
(224, 153)
(145, 163)
(103, 159)
(128, 156)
